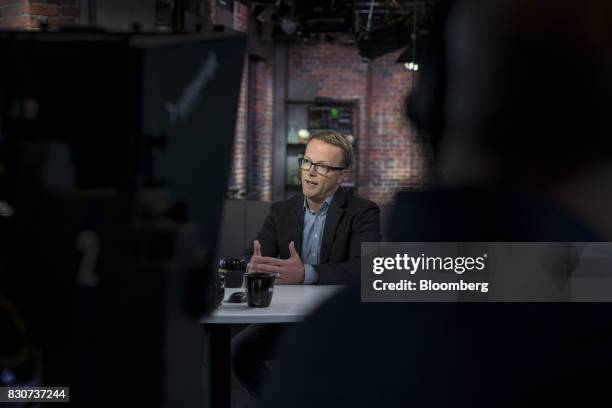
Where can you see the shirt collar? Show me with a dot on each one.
(324, 206)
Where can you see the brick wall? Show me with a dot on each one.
(237, 181)
(263, 128)
(389, 156)
(27, 14)
(262, 104)
(212, 10)
(393, 156)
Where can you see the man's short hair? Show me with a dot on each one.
(335, 139)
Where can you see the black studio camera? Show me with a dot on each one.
(109, 209)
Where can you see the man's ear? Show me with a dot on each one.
(343, 174)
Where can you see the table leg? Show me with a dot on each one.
(217, 365)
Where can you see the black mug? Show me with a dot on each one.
(259, 287)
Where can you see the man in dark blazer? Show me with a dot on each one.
(507, 146)
(311, 238)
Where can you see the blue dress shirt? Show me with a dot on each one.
(314, 222)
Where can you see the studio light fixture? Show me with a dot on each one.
(411, 66)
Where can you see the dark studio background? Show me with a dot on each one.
(470, 122)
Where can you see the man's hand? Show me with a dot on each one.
(256, 259)
(288, 271)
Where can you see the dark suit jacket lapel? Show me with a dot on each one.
(334, 213)
(299, 218)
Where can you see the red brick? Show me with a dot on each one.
(241, 17)
(20, 22)
(58, 22)
(388, 155)
(263, 131)
(386, 148)
(70, 11)
(15, 10)
(49, 10)
(56, 2)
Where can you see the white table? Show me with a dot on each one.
(290, 303)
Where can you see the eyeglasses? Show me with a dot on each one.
(320, 168)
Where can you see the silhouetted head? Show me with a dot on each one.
(524, 90)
